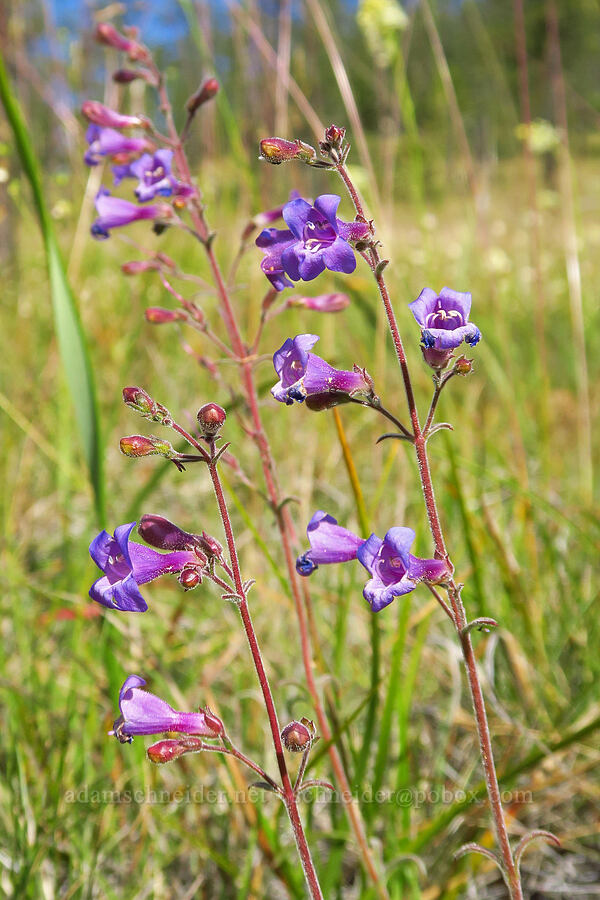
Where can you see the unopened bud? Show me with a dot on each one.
(136, 266)
(137, 398)
(322, 303)
(171, 748)
(102, 115)
(335, 135)
(126, 76)
(108, 34)
(211, 418)
(139, 445)
(210, 545)
(189, 578)
(298, 736)
(156, 315)
(277, 150)
(463, 366)
(207, 90)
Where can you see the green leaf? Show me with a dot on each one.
(71, 341)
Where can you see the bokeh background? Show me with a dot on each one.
(475, 132)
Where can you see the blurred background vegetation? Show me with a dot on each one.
(475, 143)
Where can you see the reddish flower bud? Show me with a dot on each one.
(210, 545)
(136, 266)
(211, 418)
(126, 76)
(189, 578)
(298, 736)
(156, 315)
(137, 398)
(108, 34)
(334, 134)
(171, 748)
(463, 366)
(139, 445)
(207, 90)
(277, 150)
(322, 303)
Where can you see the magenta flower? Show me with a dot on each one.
(304, 376)
(444, 319)
(394, 570)
(315, 240)
(108, 142)
(329, 543)
(144, 713)
(127, 565)
(113, 212)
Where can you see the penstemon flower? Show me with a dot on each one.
(444, 321)
(127, 565)
(394, 570)
(305, 376)
(154, 176)
(145, 713)
(315, 240)
(114, 212)
(105, 142)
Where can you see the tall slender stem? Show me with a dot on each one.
(284, 520)
(510, 871)
(288, 791)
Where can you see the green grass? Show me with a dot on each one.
(521, 530)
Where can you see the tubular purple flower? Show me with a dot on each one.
(329, 543)
(315, 240)
(305, 376)
(115, 212)
(154, 176)
(394, 570)
(145, 713)
(127, 565)
(444, 319)
(108, 142)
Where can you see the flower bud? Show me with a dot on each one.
(334, 134)
(139, 445)
(463, 366)
(322, 303)
(102, 115)
(277, 150)
(137, 398)
(189, 578)
(108, 34)
(126, 76)
(136, 266)
(298, 736)
(211, 418)
(171, 748)
(210, 545)
(165, 535)
(207, 90)
(156, 315)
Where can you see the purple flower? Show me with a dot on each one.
(126, 565)
(108, 142)
(96, 112)
(315, 240)
(304, 376)
(444, 319)
(329, 543)
(395, 571)
(154, 176)
(144, 713)
(114, 212)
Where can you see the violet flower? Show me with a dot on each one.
(315, 240)
(444, 321)
(102, 115)
(154, 177)
(329, 543)
(115, 212)
(145, 713)
(305, 376)
(127, 565)
(395, 571)
(109, 142)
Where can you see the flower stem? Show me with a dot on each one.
(509, 868)
(288, 794)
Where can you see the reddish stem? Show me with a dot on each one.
(510, 870)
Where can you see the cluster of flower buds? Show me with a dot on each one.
(298, 737)
(137, 398)
(334, 145)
